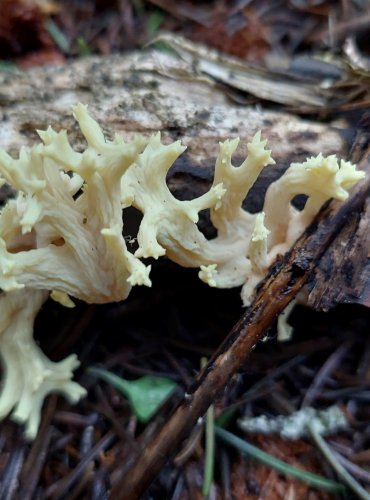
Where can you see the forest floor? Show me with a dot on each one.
(80, 451)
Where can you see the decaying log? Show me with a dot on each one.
(149, 91)
(280, 287)
(343, 275)
(146, 92)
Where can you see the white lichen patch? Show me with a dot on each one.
(63, 234)
(295, 426)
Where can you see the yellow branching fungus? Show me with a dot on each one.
(62, 235)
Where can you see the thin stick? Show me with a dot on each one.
(282, 284)
(338, 467)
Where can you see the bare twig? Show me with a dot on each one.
(37, 456)
(327, 368)
(58, 489)
(338, 467)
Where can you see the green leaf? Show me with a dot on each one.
(83, 47)
(154, 22)
(7, 66)
(145, 395)
(226, 416)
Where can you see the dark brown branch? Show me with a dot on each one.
(286, 278)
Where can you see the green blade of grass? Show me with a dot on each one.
(57, 35)
(209, 453)
(308, 477)
(209, 460)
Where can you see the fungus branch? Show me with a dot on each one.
(29, 376)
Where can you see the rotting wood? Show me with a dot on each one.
(343, 274)
(279, 288)
(146, 92)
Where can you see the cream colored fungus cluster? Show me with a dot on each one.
(62, 235)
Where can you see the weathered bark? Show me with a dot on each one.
(343, 275)
(146, 92)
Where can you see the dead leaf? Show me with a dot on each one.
(22, 27)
